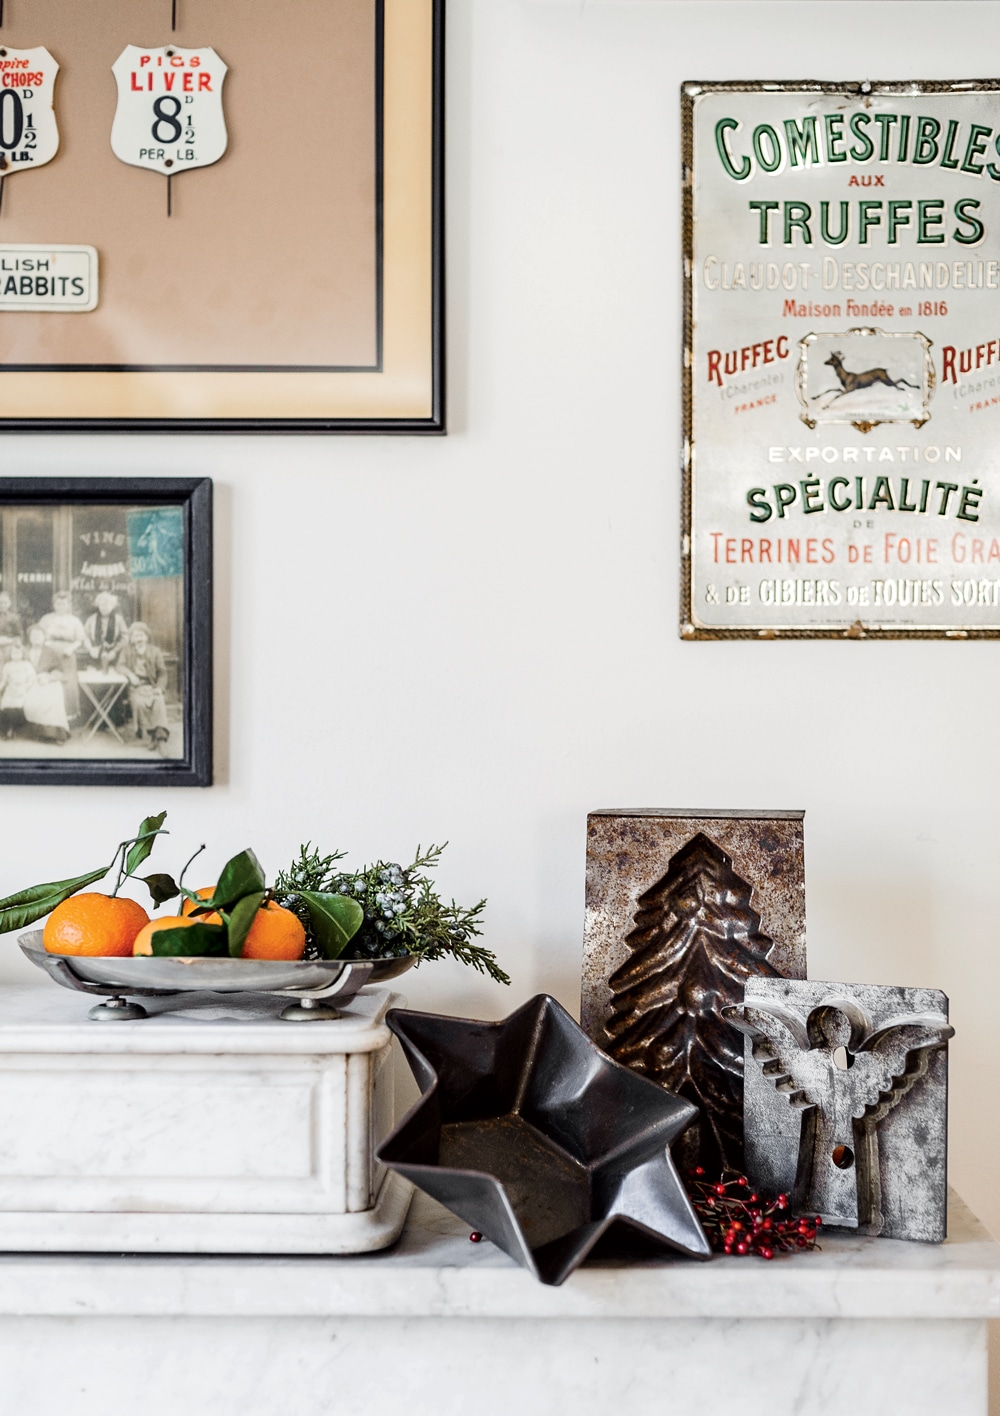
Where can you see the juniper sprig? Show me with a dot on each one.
(403, 912)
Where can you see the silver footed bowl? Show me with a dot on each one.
(150, 975)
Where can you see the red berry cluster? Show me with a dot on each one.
(738, 1221)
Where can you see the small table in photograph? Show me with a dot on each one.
(102, 689)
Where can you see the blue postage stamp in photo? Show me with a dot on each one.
(156, 541)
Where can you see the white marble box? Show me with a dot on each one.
(216, 1129)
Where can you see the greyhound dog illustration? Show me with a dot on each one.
(850, 382)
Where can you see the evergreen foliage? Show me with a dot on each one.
(403, 912)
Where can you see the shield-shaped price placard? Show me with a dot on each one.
(29, 136)
(169, 116)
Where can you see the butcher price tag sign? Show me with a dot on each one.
(842, 360)
(29, 136)
(47, 278)
(169, 116)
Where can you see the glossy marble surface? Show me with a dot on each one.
(440, 1327)
(435, 1325)
(46, 1018)
(510, 1367)
(434, 1271)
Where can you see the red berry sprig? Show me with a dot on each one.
(736, 1220)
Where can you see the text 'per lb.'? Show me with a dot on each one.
(169, 116)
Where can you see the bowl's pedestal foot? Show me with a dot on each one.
(116, 1010)
(308, 1010)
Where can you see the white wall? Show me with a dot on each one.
(475, 638)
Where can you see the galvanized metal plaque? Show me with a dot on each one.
(842, 360)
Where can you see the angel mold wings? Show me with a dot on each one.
(844, 1058)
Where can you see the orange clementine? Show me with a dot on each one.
(144, 939)
(205, 893)
(276, 933)
(94, 924)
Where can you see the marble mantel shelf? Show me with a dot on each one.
(435, 1326)
(434, 1271)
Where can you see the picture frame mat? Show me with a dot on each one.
(405, 392)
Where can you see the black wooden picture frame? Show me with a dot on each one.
(69, 499)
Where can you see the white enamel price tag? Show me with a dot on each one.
(47, 278)
(29, 136)
(169, 116)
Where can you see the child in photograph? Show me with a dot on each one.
(146, 670)
(45, 700)
(16, 678)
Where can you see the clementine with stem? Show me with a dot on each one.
(94, 924)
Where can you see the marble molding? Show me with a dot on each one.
(213, 1129)
(439, 1325)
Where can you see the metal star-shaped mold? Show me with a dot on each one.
(528, 1132)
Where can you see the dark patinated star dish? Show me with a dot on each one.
(537, 1139)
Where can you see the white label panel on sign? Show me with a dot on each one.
(53, 278)
(169, 116)
(29, 136)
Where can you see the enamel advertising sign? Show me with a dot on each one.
(169, 116)
(29, 136)
(842, 360)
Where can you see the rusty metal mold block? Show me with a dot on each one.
(682, 908)
(534, 1137)
(862, 1071)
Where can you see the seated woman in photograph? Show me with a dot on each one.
(11, 628)
(105, 632)
(64, 635)
(146, 670)
(16, 678)
(45, 701)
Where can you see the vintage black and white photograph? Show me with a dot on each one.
(102, 585)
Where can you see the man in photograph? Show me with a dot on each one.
(144, 666)
(105, 631)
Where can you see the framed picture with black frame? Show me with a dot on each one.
(290, 279)
(106, 631)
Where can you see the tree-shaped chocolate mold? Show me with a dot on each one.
(694, 942)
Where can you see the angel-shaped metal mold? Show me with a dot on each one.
(864, 1070)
